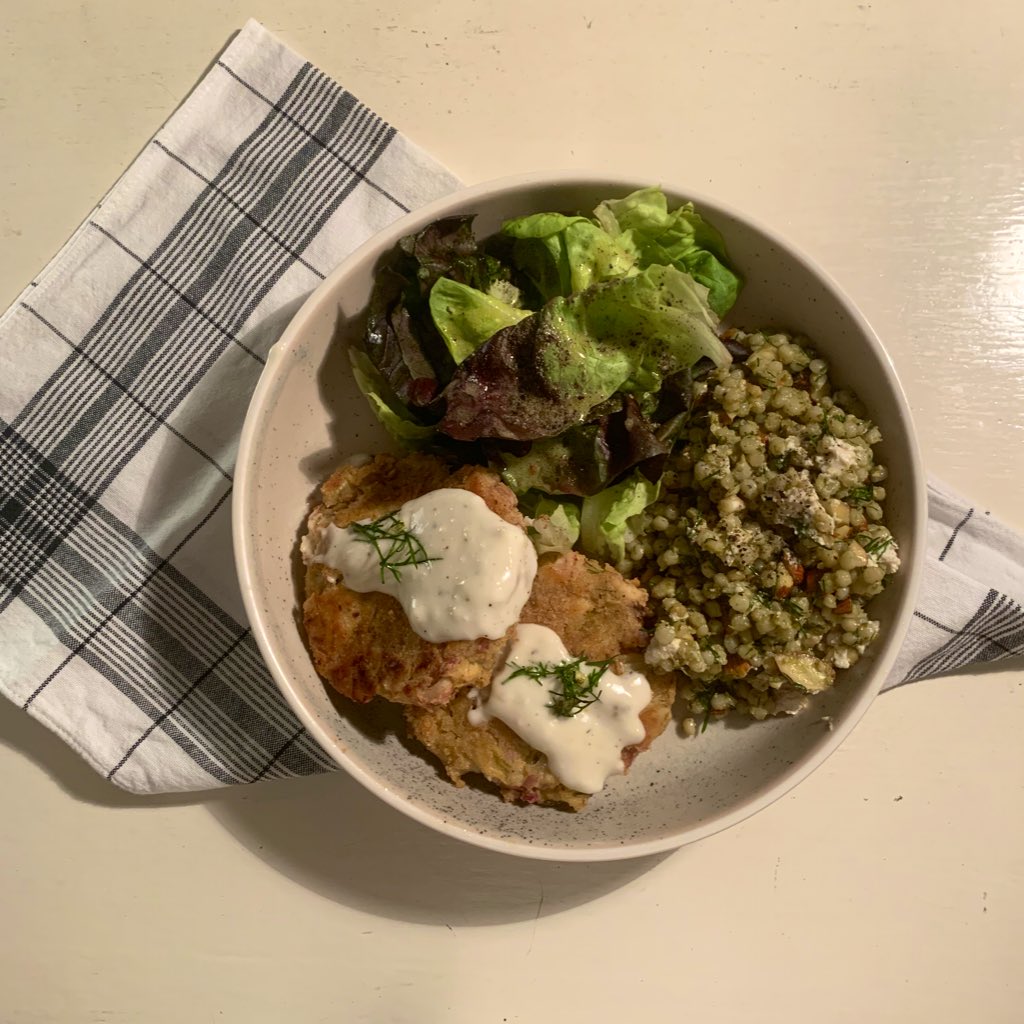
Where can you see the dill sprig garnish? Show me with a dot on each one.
(576, 683)
(395, 544)
(705, 697)
(861, 495)
(875, 546)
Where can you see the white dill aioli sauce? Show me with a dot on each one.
(585, 749)
(479, 577)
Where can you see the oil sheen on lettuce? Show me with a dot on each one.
(559, 350)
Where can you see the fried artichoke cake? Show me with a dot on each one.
(496, 752)
(592, 607)
(598, 615)
(362, 644)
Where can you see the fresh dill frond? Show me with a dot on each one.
(395, 544)
(861, 495)
(875, 546)
(576, 683)
(705, 697)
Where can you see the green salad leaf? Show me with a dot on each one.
(562, 351)
(604, 529)
(563, 255)
(679, 238)
(467, 317)
(398, 423)
(545, 373)
(556, 524)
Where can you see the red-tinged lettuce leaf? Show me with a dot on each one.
(402, 343)
(402, 340)
(584, 460)
(395, 419)
(448, 248)
(545, 374)
(439, 246)
(531, 380)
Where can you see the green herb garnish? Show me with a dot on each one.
(861, 495)
(396, 546)
(577, 683)
(875, 546)
(826, 424)
(705, 698)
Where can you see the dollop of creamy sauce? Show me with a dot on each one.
(474, 578)
(585, 749)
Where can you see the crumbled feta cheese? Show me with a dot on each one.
(839, 456)
(841, 657)
(889, 559)
(790, 498)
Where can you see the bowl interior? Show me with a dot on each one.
(307, 416)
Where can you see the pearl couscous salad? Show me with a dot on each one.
(767, 541)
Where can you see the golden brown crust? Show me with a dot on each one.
(362, 644)
(598, 615)
(656, 716)
(493, 750)
(380, 486)
(592, 607)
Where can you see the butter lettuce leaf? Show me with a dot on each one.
(604, 519)
(680, 238)
(555, 525)
(563, 255)
(466, 317)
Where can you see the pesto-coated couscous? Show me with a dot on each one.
(767, 541)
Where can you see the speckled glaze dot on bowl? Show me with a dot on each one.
(307, 415)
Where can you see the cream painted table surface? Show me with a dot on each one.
(887, 139)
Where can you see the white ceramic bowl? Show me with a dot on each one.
(307, 415)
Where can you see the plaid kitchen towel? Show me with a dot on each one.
(127, 368)
(969, 605)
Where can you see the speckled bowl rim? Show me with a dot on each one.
(245, 553)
